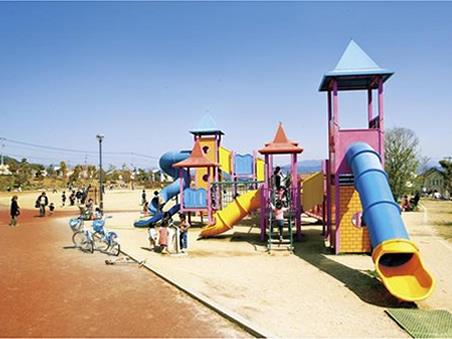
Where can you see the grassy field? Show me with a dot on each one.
(439, 214)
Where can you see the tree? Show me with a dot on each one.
(446, 165)
(50, 171)
(401, 159)
(63, 169)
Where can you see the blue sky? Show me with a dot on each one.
(144, 73)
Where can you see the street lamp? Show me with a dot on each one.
(100, 137)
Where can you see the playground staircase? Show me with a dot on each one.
(274, 242)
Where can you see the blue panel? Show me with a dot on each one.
(380, 212)
(243, 164)
(195, 198)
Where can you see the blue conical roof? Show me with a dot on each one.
(207, 125)
(355, 70)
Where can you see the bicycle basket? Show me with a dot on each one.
(98, 225)
(111, 236)
(74, 223)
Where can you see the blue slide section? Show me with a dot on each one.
(146, 222)
(380, 212)
(166, 163)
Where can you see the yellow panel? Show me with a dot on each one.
(212, 148)
(260, 169)
(225, 160)
(200, 183)
(352, 239)
(312, 191)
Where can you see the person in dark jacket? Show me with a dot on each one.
(41, 203)
(14, 211)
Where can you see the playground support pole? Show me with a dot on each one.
(264, 201)
(336, 175)
(381, 120)
(209, 197)
(370, 112)
(328, 169)
(296, 195)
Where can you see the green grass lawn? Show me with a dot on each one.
(440, 215)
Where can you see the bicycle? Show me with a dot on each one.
(83, 239)
(105, 241)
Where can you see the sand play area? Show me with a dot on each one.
(310, 293)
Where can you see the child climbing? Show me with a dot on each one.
(278, 211)
(184, 226)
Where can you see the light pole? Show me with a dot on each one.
(100, 137)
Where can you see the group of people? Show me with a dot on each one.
(78, 196)
(42, 202)
(169, 234)
(410, 204)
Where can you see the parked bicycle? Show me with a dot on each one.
(105, 241)
(98, 239)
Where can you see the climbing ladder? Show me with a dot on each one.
(286, 243)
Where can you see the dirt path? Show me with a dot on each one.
(49, 291)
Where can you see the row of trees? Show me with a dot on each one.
(405, 164)
(28, 175)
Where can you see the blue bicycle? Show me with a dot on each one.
(105, 241)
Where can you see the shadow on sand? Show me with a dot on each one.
(366, 286)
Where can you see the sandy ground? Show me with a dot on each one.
(308, 294)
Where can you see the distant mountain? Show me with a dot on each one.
(306, 166)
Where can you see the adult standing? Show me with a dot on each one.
(42, 202)
(14, 211)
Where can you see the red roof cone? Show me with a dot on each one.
(281, 144)
(196, 158)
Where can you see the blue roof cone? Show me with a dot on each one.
(207, 125)
(354, 58)
(355, 70)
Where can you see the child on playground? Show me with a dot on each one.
(145, 209)
(184, 226)
(153, 237)
(98, 214)
(157, 201)
(278, 211)
(51, 208)
(14, 211)
(163, 233)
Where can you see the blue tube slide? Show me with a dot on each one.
(166, 163)
(147, 222)
(380, 212)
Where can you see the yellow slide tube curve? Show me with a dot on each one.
(232, 214)
(401, 270)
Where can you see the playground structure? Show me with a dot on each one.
(361, 214)
(350, 196)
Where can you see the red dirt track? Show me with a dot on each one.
(47, 290)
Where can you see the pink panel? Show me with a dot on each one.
(350, 136)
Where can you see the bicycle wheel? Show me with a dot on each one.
(77, 238)
(99, 242)
(114, 249)
(87, 245)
